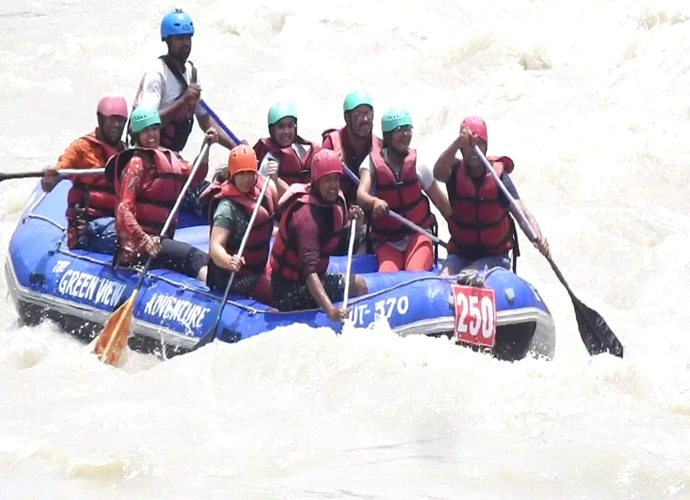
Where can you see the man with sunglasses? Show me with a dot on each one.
(353, 143)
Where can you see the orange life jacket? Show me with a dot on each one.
(284, 259)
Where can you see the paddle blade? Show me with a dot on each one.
(595, 332)
(113, 338)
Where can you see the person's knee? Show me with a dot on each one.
(390, 260)
(202, 274)
(421, 258)
(358, 286)
(197, 263)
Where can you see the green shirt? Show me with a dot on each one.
(233, 217)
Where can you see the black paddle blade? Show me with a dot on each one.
(596, 334)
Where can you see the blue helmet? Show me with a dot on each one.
(176, 23)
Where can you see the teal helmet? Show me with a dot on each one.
(143, 117)
(357, 98)
(394, 118)
(281, 110)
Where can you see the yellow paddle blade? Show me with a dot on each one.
(113, 338)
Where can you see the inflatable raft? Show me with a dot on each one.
(79, 290)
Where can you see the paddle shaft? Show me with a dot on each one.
(71, 172)
(348, 266)
(216, 119)
(174, 210)
(522, 218)
(212, 332)
(399, 217)
(595, 333)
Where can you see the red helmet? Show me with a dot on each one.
(111, 105)
(325, 162)
(477, 126)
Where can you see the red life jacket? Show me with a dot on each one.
(479, 225)
(291, 169)
(156, 200)
(256, 249)
(337, 140)
(90, 197)
(403, 194)
(284, 257)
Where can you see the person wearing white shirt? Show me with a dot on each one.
(402, 185)
(172, 86)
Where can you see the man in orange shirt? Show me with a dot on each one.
(91, 200)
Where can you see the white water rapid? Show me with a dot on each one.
(589, 98)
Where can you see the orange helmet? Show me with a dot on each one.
(242, 159)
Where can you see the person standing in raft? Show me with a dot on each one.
(312, 219)
(400, 183)
(91, 200)
(285, 147)
(353, 143)
(230, 209)
(482, 231)
(171, 86)
(148, 180)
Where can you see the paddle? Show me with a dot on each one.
(399, 217)
(211, 334)
(76, 172)
(216, 119)
(348, 266)
(595, 333)
(113, 338)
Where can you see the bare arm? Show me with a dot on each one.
(364, 199)
(444, 164)
(439, 199)
(216, 246)
(169, 112)
(206, 122)
(317, 291)
(152, 94)
(529, 218)
(276, 190)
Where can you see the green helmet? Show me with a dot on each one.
(281, 110)
(143, 117)
(357, 98)
(394, 118)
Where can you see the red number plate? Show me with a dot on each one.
(475, 315)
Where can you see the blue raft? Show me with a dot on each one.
(79, 290)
